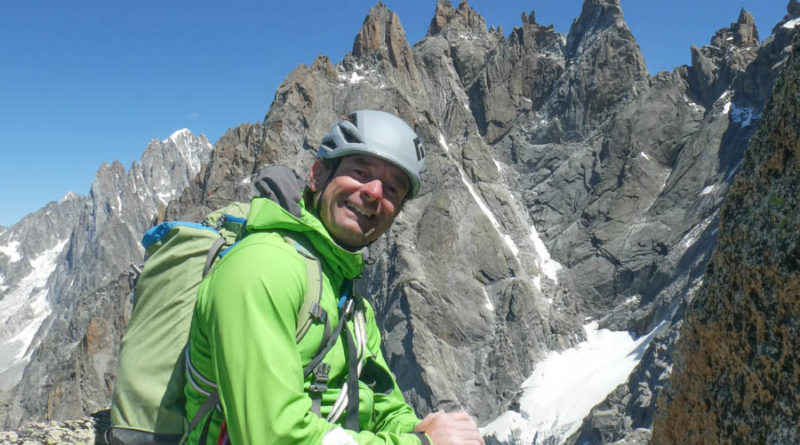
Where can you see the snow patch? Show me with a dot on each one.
(744, 116)
(443, 143)
(68, 196)
(23, 311)
(189, 147)
(179, 134)
(791, 24)
(498, 165)
(165, 197)
(692, 235)
(488, 304)
(355, 78)
(247, 180)
(708, 189)
(11, 250)
(726, 97)
(510, 243)
(695, 107)
(644, 155)
(464, 36)
(548, 266)
(482, 205)
(566, 385)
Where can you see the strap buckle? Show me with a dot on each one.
(317, 312)
(321, 377)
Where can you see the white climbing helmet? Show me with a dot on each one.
(379, 134)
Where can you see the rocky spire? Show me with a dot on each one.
(520, 76)
(596, 17)
(383, 35)
(730, 51)
(744, 31)
(603, 62)
(461, 19)
(793, 8)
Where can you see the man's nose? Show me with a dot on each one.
(373, 189)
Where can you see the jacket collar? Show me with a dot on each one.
(266, 214)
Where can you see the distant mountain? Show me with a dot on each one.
(571, 202)
(54, 258)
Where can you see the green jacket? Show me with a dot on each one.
(243, 338)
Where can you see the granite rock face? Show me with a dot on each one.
(736, 369)
(564, 183)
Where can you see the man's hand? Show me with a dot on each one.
(456, 428)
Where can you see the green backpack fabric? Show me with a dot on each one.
(148, 401)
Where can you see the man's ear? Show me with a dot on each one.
(317, 176)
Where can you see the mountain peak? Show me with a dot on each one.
(462, 19)
(793, 8)
(596, 17)
(69, 196)
(745, 34)
(382, 36)
(380, 27)
(183, 132)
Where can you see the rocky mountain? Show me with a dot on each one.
(570, 198)
(736, 367)
(63, 301)
(29, 253)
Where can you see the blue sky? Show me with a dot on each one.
(90, 81)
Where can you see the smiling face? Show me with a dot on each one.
(360, 202)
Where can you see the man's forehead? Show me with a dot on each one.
(396, 173)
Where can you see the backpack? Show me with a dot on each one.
(148, 401)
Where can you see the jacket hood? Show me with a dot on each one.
(280, 207)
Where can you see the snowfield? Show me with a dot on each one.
(566, 385)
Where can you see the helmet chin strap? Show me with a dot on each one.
(332, 165)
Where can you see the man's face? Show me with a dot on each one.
(361, 201)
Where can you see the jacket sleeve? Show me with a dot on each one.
(250, 310)
(391, 412)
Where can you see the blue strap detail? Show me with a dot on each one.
(347, 289)
(158, 232)
(234, 219)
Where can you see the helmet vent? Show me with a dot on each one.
(349, 136)
(330, 144)
(353, 117)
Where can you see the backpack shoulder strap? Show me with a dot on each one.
(310, 310)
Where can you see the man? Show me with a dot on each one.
(243, 336)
